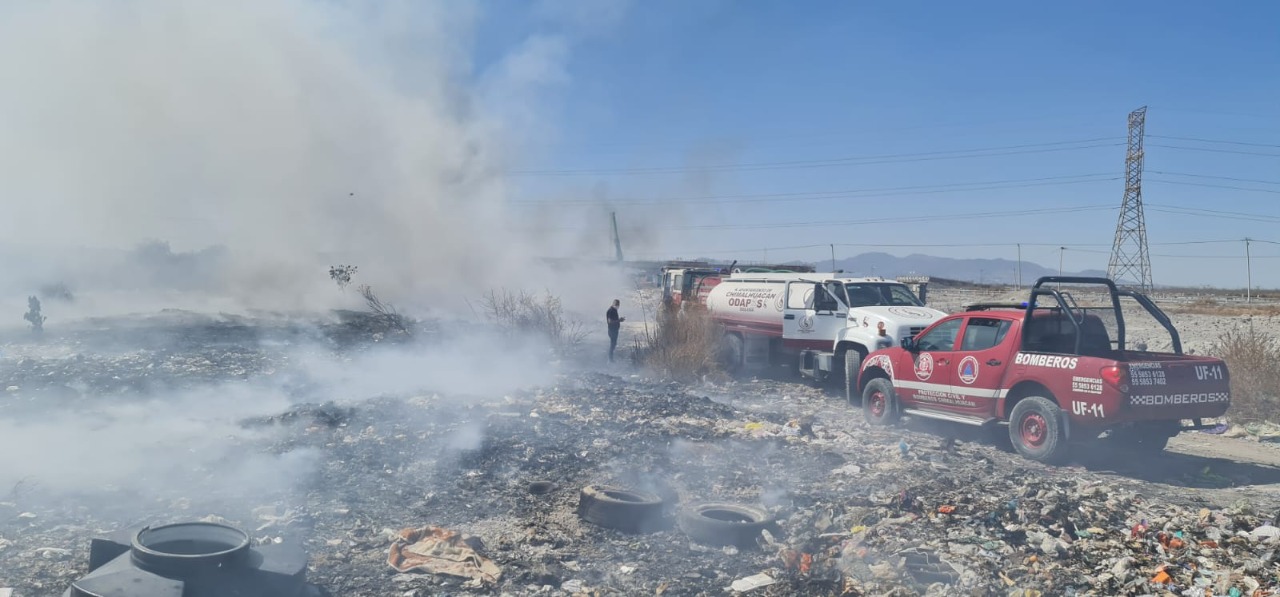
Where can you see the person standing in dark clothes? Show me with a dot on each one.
(615, 323)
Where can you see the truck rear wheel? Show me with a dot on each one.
(1146, 438)
(732, 350)
(880, 402)
(1035, 428)
(852, 365)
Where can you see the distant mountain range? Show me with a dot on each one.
(988, 271)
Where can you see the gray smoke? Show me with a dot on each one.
(272, 139)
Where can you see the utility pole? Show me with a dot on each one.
(1061, 251)
(1248, 262)
(833, 258)
(617, 242)
(1019, 266)
(1129, 256)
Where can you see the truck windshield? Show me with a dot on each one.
(867, 294)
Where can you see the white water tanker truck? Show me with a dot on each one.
(824, 323)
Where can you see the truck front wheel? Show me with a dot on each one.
(852, 365)
(1035, 428)
(880, 402)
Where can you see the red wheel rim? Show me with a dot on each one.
(877, 404)
(1034, 429)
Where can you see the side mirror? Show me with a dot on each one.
(909, 344)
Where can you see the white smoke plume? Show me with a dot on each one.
(296, 134)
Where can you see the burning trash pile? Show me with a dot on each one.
(596, 484)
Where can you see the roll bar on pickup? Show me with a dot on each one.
(1039, 290)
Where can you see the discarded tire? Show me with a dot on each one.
(625, 510)
(540, 487)
(724, 524)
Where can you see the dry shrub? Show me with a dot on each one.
(685, 345)
(385, 313)
(1251, 358)
(527, 314)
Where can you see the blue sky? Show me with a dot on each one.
(695, 87)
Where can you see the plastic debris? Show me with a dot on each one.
(440, 551)
(743, 585)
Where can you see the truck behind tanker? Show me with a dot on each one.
(823, 323)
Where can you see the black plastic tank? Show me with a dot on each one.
(193, 559)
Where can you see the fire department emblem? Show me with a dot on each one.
(968, 371)
(881, 361)
(909, 313)
(924, 366)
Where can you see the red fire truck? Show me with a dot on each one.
(1052, 370)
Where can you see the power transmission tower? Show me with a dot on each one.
(1130, 260)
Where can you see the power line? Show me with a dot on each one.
(1076, 248)
(1216, 112)
(866, 222)
(797, 196)
(824, 195)
(1231, 178)
(845, 161)
(1214, 213)
(1216, 150)
(1213, 186)
(846, 134)
(1221, 141)
(908, 219)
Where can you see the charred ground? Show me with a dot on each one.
(342, 470)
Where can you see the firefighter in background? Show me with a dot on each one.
(615, 323)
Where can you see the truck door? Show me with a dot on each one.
(979, 365)
(813, 317)
(675, 287)
(926, 373)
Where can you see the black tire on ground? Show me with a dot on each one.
(880, 403)
(1146, 438)
(621, 509)
(732, 352)
(719, 524)
(1035, 429)
(852, 366)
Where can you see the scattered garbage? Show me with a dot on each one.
(440, 551)
(856, 510)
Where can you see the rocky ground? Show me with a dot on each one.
(261, 439)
